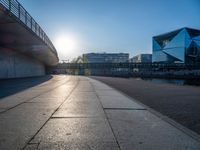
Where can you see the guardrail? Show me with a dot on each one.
(153, 66)
(14, 7)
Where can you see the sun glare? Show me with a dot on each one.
(66, 44)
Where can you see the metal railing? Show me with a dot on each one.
(14, 7)
(153, 66)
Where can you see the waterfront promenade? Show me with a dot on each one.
(74, 112)
(181, 103)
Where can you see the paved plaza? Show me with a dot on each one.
(74, 112)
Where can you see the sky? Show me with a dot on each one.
(82, 26)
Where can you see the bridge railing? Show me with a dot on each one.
(173, 66)
(14, 7)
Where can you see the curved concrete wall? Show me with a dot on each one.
(14, 64)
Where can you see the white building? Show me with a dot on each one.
(142, 58)
(106, 57)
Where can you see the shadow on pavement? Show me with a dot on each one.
(11, 86)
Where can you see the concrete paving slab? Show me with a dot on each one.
(84, 104)
(94, 116)
(2, 110)
(51, 100)
(31, 95)
(140, 129)
(110, 98)
(18, 125)
(58, 93)
(84, 86)
(16, 99)
(80, 109)
(120, 102)
(76, 133)
(32, 146)
(20, 97)
(111, 93)
(99, 85)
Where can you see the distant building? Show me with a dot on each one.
(105, 57)
(182, 46)
(142, 58)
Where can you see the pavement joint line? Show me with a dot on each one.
(165, 118)
(34, 102)
(106, 116)
(37, 144)
(2, 110)
(83, 91)
(33, 97)
(75, 117)
(29, 141)
(125, 108)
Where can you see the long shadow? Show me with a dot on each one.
(11, 86)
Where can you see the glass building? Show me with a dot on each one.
(179, 46)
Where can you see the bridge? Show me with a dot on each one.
(127, 65)
(126, 69)
(25, 49)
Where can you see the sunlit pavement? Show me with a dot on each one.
(71, 112)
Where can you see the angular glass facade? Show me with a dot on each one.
(182, 45)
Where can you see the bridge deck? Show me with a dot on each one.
(20, 32)
(68, 112)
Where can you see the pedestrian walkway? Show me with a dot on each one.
(73, 112)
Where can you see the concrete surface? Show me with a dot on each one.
(23, 53)
(71, 112)
(14, 65)
(180, 103)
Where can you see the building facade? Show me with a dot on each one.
(142, 58)
(179, 46)
(105, 57)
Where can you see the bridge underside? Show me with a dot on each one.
(22, 52)
(14, 65)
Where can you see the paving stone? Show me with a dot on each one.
(76, 133)
(88, 119)
(140, 129)
(118, 102)
(18, 125)
(2, 110)
(84, 104)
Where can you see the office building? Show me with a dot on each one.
(105, 57)
(142, 58)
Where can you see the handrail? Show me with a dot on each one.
(14, 7)
(179, 66)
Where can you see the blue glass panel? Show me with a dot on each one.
(196, 38)
(197, 42)
(177, 52)
(188, 42)
(188, 39)
(159, 56)
(187, 35)
(178, 40)
(156, 46)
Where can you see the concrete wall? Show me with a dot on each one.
(14, 65)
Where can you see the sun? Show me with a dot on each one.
(65, 43)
